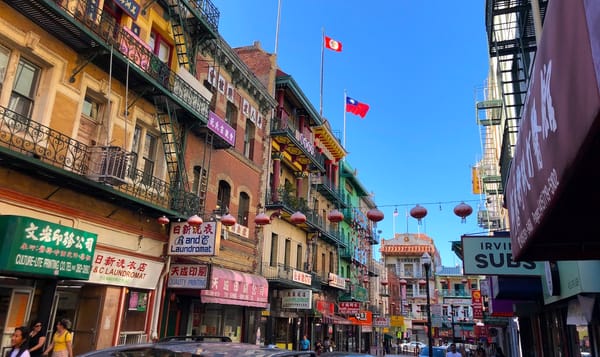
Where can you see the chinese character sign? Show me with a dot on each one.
(124, 270)
(37, 247)
(194, 240)
(188, 276)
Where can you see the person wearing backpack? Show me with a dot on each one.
(18, 341)
(62, 340)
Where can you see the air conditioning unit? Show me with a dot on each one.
(108, 164)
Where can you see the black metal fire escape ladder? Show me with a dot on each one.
(184, 45)
(172, 138)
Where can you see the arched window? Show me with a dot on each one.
(243, 207)
(223, 195)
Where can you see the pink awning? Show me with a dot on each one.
(236, 288)
(335, 320)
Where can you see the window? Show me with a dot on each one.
(299, 257)
(90, 108)
(287, 252)
(160, 47)
(323, 262)
(145, 145)
(231, 114)
(409, 270)
(331, 263)
(223, 195)
(249, 140)
(243, 208)
(274, 244)
(4, 57)
(24, 88)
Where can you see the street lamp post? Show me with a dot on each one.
(426, 261)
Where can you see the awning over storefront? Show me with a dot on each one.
(335, 320)
(553, 179)
(236, 288)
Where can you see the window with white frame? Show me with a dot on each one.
(145, 151)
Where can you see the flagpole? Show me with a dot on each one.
(344, 133)
(277, 27)
(322, 61)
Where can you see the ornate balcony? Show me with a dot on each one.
(99, 40)
(297, 145)
(102, 171)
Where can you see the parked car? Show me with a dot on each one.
(437, 352)
(345, 354)
(180, 347)
(412, 346)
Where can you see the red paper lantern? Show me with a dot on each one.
(228, 220)
(261, 219)
(463, 210)
(375, 215)
(384, 282)
(422, 282)
(298, 218)
(335, 216)
(403, 282)
(418, 212)
(195, 220)
(163, 220)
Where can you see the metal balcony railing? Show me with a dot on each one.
(138, 53)
(22, 135)
(279, 127)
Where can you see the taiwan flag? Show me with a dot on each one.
(355, 107)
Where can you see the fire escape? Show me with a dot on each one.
(180, 107)
(512, 46)
(489, 109)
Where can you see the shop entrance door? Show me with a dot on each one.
(88, 313)
(15, 306)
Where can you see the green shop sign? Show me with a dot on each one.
(37, 247)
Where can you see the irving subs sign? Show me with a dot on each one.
(493, 256)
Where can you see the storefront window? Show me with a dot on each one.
(135, 312)
(225, 321)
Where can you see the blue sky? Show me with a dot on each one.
(417, 64)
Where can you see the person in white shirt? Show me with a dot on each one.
(452, 352)
(17, 341)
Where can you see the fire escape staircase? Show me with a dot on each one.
(184, 45)
(171, 133)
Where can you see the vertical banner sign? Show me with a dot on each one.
(477, 304)
(37, 247)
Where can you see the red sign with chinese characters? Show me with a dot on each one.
(349, 308)
(477, 304)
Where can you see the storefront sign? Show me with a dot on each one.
(381, 322)
(221, 128)
(236, 288)
(188, 276)
(362, 318)
(296, 299)
(396, 321)
(240, 230)
(477, 304)
(131, 7)
(124, 270)
(301, 277)
(37, 247)
(493, 256)
(195, 240)
(337, 281)
(348, 308)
